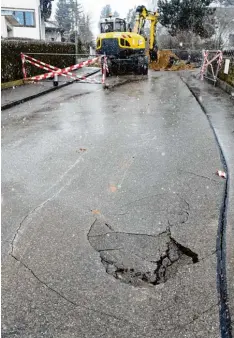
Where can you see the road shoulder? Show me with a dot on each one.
(219, 109)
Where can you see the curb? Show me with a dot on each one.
(219, 84)
(221, 248)
(226, 87)
(47, 91)
(7, 85)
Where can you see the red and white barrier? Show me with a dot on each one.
(55, 70)
(46, 66)
(206, 62)
(104, 69)
(23, 65)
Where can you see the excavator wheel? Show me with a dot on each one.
(145, 69)
(146, 65)
(142, 66)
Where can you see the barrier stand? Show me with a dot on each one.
(206, 63)
(104, 71)
(23, 65)
(53, 71)
(55, 82)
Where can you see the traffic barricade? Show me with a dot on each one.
(54, 72)
(212, 60)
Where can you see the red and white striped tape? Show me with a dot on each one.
(46, 66)
(205, 56)
(207, 62)
(104, 69)
(57, 71)
(69, 75)
(23, 65)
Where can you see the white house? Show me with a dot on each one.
(52, 31)
(22, 19)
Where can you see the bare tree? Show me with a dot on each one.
(86, 34)
(226, 3)
(224, 26)
(131, 17)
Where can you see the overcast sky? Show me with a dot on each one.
(94, 7)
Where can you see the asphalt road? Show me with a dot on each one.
(25, 92)
(110, 211)
(219, 109)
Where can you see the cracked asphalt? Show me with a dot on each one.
(135, 161)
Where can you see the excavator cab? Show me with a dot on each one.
(111, 24)
(124, 49)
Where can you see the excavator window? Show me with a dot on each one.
(107, 27)
(120, 25)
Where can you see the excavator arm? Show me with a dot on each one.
(142, 15)
(140, 18)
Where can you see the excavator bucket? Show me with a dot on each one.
(153, 55)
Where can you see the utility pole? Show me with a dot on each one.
(76, 12)
(76, 30)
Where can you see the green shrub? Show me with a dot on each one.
(229, 78)
(11, 66)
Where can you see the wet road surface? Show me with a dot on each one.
(219, 109)
(27, 91)
(110, 212)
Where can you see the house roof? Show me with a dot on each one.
(52, 25)
(10, 17)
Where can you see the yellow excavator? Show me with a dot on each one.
(125, 48)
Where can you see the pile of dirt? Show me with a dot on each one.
(169, 61)
(96, 64)
(181, 65)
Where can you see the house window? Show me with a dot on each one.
(26, 19)
(29, 19)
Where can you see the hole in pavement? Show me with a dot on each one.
(139, 260)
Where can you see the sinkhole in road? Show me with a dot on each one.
(138, 259)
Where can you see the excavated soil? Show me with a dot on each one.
(164, 62)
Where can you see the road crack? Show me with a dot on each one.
(71, 302)
(201, 176)
(198, 316)
(59, 294)
(39, 207)
(139, 259)
(49, 199)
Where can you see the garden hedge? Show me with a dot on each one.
(228, 78)
(11, 68)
